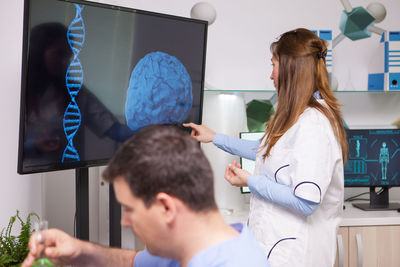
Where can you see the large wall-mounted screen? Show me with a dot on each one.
(94, 74)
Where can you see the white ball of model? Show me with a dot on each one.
(378, 11)
(204, 11)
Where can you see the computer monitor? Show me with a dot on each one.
(95, 74)
(373, 161)
(248, 164)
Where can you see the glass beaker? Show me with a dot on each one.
(40, 228)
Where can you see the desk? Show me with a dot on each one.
(365, 238)
(356, 217)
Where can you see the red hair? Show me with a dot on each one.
(302, 71)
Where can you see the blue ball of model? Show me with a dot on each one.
(159, 92)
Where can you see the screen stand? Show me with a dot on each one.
(82, 209)
(82, 203)
(378, 201)
(115, 219)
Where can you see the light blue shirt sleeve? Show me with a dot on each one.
(281, 194)
(236, 146)
(145, 259)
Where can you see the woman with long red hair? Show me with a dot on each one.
(297, 187)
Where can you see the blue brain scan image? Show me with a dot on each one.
(159, 92)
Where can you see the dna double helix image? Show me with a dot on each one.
(74, 81)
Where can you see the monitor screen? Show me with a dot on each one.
(374, 158)
(94, 74)
(248, 164)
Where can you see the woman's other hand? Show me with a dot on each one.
(235, 175)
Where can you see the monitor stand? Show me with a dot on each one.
(378, 201)
(82, 209)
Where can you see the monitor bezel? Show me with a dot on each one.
(242, 188)
(25, 40)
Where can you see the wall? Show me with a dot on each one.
(17, 192)
(237, 58)
(238, 54)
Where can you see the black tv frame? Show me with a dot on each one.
(82, 168)
(97, 162)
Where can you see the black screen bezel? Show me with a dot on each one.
(101, 161)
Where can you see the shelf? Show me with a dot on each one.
(241, 91)
(366, 92)
(274, 91)
(247, 95)
(343, 95)
(376, 109)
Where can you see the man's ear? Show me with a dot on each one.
(168, 206)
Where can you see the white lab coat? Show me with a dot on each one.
(308, 158)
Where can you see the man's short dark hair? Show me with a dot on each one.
(163, 158)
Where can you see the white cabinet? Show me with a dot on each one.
(342, 253)
(369, 246)
(368, 239)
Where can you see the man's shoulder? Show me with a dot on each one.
(240, 251)
(145, 259)
(243, 250)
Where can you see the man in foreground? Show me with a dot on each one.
(164, 183)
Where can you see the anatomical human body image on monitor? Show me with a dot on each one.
(374, 158)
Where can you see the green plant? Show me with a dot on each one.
(13, 249)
